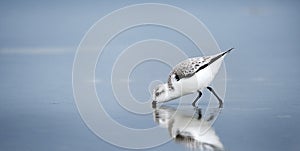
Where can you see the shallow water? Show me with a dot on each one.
(261, 109)
(258, 114)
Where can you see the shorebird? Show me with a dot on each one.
(190, 76)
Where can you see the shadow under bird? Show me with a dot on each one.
(190, 76)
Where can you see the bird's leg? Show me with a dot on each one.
(198, 112)
(199, 95)
(219, 99)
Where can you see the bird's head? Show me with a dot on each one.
(160, 93)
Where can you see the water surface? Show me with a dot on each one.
(261, 109)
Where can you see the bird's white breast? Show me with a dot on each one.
(198, 81)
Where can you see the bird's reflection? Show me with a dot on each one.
(187, 126)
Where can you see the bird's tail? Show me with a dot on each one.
(219, 56)
(227, 51)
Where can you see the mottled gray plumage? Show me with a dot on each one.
(191, 66)
(187, 68)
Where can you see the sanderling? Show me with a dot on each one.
(190, 76)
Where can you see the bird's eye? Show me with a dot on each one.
(176, 77)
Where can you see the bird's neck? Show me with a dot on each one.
(174, 93)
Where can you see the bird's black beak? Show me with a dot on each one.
(154, 104)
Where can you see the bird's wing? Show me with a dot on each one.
(188, 68)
